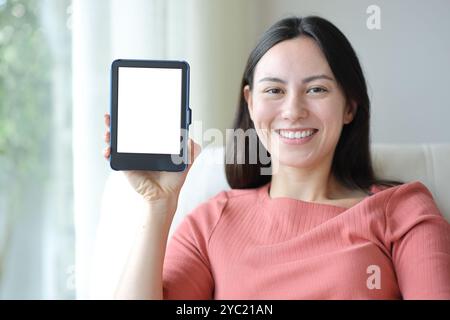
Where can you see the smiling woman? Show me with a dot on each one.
(321, 221)
(320, 225)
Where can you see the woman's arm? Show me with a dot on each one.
(142, 276)
(420, 243)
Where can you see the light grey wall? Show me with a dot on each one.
(406, 63)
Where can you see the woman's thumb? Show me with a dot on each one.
(194, 151)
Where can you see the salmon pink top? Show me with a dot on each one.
(243, 244)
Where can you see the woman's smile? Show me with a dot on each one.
(296, 136)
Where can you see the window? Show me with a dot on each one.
(36, 211)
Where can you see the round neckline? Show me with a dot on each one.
(264, 193)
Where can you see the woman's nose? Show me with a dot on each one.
(294, 108)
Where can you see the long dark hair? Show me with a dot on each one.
(352, 164)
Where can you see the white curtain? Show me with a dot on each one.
(214, 36)
(36, 238)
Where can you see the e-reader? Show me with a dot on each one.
(150, 115)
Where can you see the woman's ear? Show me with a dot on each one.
(350, 111)
(248, 98)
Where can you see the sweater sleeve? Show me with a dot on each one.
(419, 237)
(187, 270)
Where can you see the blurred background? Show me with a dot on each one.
(55, 58)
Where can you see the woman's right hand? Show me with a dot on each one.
(155, 186)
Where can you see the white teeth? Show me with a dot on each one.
(296, 134)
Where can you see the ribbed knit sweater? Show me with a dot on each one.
(243, 244)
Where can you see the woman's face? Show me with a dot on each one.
(294, 95)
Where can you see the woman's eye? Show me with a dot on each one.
(317, 90)
(273, 91)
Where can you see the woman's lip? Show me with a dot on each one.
(297, 141)
(296, 129)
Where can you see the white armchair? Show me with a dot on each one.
(428, 163)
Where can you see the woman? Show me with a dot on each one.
(320, 226)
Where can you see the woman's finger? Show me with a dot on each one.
(107, 136)
(107, 152)
(107, 119)
(194, 151)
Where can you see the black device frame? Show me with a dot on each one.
(153, 161)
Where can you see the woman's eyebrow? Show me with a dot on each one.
(305, 80)
(272, 79)
(320, 76)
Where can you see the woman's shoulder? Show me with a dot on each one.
(207, 215)
(410, 194)
(235, 195)
(409, 203)
(412, 189)
(231, 197)
(405, 201)
(215, 205)
(409, 206)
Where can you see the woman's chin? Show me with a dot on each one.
(294, 162)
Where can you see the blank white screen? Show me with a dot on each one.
(149, 110)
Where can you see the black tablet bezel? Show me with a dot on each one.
(144, 161)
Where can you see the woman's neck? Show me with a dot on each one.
(317, 185)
